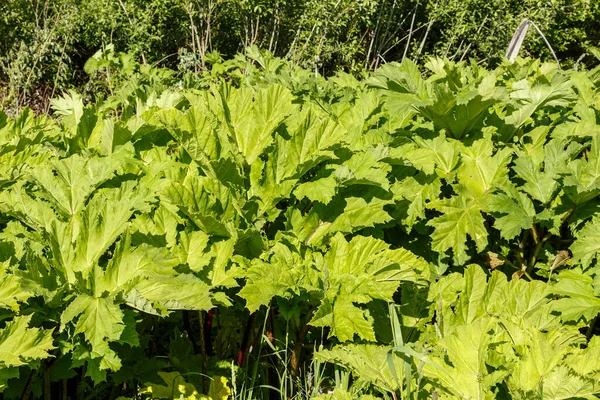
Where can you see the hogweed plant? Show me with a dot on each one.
(269, 233)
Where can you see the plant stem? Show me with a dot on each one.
(205, 383)
(410, 32)
(534, 232)
(246, 340)
(298, 345)
(590, 330)
(64, 389)
(47, 386)
(536, 251)
(29, 384)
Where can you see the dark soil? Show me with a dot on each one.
(38, 100)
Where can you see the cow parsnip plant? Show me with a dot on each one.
(268, 231)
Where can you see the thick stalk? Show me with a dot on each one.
(201, 315)
(47, 387)
(241, 358)
(273, 376)
(538, 247)
(299, 344)
(29, 385)
(81, 376)
(64, 389)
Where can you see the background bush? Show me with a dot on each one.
(45, 43)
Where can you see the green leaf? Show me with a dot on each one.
(524, 302)
(207, 203)
(357, 214)
(529, 98)
(254, 117)
(471, 305)
(358, 272)
(105, 217)
(67, 188)
(176, 293)
(197, 130)
(480, 171)
(20, 345)
(176, 387)
(586, 247)
(459, 113)
(321, 190)
(129, 265)
(439, 154)
(584, 173)
(539, 185)
(158, 230)
(5, 375)
(281, 273)
(586, 361)
(314, 137)
(363, 169)
(561, 383)
(418, 190)
(12, 290)
(544, 352)
(349, 320)
(35, 213)
(400, 78)
(369, 363)
(70, 108)
(518, 213)
(465, 372)
(579, 300)
(219, 388)
(100, 320)
(460, 217)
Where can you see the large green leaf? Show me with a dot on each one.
(284, 273)
(357, 213)
(104, 219)
(313, 139)
(358, 272)
(583, 174)
(461, 217)
(20, 345)
(516, 212)
(586, 247)
(463, 371)
(374, 364)
(100, 321)
(68, 183)
(253, 117)
(579, 293)
(418, 191)
(12, 290)
(529, 98)
(459, 113)
(439, 154)
(480, 170)
(183, 292)
(209, 204)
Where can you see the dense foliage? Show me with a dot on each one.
(45, 43)
(265, 231)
